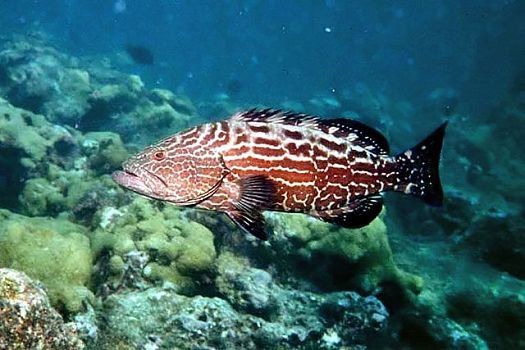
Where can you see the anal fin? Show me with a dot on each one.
(358, 213)
(256, 193)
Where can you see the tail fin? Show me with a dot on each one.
(418, 169)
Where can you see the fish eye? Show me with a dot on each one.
(159, 155)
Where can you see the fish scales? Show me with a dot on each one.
(332, 169)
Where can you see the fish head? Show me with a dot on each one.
(180, 175)
(145, 174)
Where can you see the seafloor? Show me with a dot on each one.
(107, 269)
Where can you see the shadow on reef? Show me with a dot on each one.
(12, 175)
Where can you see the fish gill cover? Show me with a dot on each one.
(85, 86)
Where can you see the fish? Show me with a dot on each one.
(140, 54)
(257, 160)
(234, 87)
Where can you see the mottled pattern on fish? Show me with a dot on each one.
(333, 169)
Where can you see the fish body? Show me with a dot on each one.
(332, 169)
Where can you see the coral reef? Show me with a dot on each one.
(132, 273)
(27, 321)
(39, 78)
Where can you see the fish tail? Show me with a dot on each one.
(418, 169)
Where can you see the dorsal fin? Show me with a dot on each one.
(357, 132)
(361, 134)
(277, 116)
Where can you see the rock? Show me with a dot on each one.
(135, 319)
(86, 326)
(247, 289)
(27, 321)
(424, 329)
(496, 314)
(297, 316)
(325, 103)
(497, 238)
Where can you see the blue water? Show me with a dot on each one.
(291, 50)
(403, 67)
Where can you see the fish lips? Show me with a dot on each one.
(131, 181)
(135, 181)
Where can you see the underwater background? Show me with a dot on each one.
(87, 265)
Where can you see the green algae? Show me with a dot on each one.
(54, 251)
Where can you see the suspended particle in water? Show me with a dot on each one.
(119, 6)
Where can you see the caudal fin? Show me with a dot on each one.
(418, 169)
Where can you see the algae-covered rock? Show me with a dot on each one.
(27, 320)
(73, 193)
(41, 197)
(88, 96)
(125, 106)
(339, 257)
(54, 251)
(39, 78)
(179, 103)
(106, 151)
(29, 146)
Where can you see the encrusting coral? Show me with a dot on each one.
(358, 258)
(54, 251)
(179, 251)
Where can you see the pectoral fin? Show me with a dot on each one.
(250, 222)
(256, 193)
(358, 214)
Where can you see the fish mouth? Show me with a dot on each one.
(130, 181)
(135, 182)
